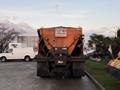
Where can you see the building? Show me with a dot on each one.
(27, 38)
(27, 41)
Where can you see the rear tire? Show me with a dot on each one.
(42, 69)
(3, 59)
(78, 69)
(27, 58)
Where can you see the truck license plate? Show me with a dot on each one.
(60, 62)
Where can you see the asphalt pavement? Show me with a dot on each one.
(22, 76)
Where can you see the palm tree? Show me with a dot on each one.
(118, 33)
(102, 43)
(115, 46)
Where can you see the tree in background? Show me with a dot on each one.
(101, 43)
(118, 33)
(6, 36)
(116, 44)
(115, 47)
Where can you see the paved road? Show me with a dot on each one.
(22, 76)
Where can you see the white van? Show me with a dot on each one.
(18, 53)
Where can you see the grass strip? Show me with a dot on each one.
(98, 71)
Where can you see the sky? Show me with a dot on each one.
(89, 14)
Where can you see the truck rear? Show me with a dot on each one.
(60, 52)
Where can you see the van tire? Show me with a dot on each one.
(27, 58)
(3, 59)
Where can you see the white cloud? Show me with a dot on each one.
(106, 31)
(52, 17)
(32, 17)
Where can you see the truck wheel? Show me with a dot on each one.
(27, 58)
(42, 69)
(78, 69)
(3, 59)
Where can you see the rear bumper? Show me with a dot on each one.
(71, 66)
(67, 59)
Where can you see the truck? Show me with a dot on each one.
(60, 52)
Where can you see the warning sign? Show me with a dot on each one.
(60, 32)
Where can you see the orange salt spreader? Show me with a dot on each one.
(60, 52)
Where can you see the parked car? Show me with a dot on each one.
(18, 53)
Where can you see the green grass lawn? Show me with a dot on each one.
(98, 71)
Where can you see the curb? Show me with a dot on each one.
(97, 84)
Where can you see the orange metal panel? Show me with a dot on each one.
(66, 39)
